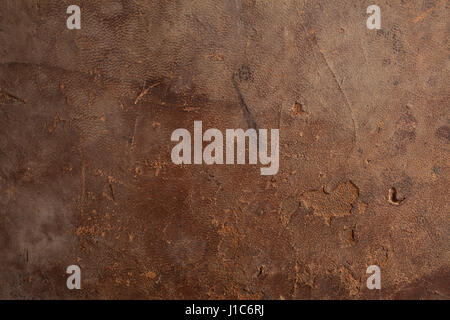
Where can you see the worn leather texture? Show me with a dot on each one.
(86, 176)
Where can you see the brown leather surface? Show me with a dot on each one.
(86, 175)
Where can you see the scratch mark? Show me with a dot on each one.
(339, 87)
(133, 142)
(247, 113)
(345, 97)
(82, 178)
(145, 91)
(112, 192)
(7, 98)
(427, 12)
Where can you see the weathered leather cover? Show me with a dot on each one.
(86, 176)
